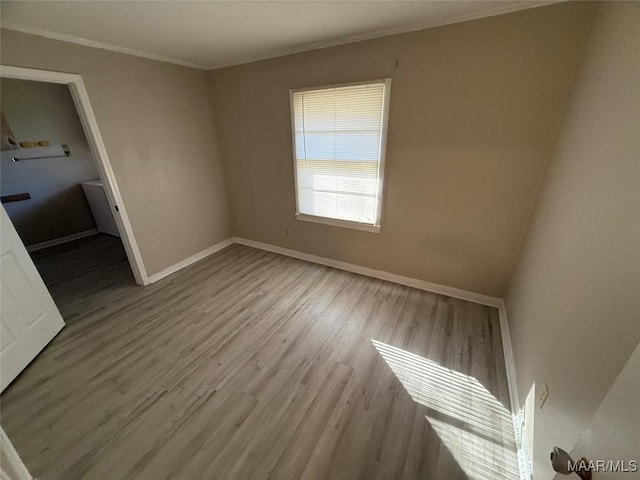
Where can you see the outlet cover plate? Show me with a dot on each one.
(543, 395)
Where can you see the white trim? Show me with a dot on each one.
(191, 260)
(383, 148)
(370, 272)
(16, 465)
(90, 124)
(48, 76)
(57, 241)
(92, 132)
(292, 120)
(509, 360)
(382, 151)
(359, 37)
(387, 32)
(349, 267)
(102, 46)
(517, 413)
(338, 223)
(327, 86)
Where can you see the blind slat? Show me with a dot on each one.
(338, 137)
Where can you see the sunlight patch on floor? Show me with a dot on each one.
(474, 426)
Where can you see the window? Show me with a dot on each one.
(339, 136)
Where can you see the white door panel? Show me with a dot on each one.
(28, 316)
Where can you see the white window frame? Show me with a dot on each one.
(367, 227)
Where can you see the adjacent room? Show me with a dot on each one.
(320, 240)
(51, 189)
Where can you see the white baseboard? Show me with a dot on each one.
(517, 414)
(509, 360)
(382, 275)
(402, 280)
(58, 241)
(369, 272)
(516, 410)
(189, 260)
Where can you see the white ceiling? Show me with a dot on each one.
(211, 34)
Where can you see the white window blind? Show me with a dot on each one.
(338, 137)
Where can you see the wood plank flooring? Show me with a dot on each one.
(252, 365)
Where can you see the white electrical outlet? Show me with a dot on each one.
(543, 395)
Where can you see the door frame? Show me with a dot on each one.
(12, 467)
(99, 151)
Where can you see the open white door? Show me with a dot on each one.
(29, 317)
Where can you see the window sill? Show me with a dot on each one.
(338, 223)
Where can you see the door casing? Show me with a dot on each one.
(99, 151)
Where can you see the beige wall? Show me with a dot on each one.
(574, 305)
(614, 431)
(57, 208)
(158, 130)
(473, 108)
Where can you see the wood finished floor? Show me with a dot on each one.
(252, 365)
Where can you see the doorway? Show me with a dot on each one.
(61, 196)
(104, 183)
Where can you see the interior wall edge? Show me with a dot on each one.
(552, 140)
(575, 285)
